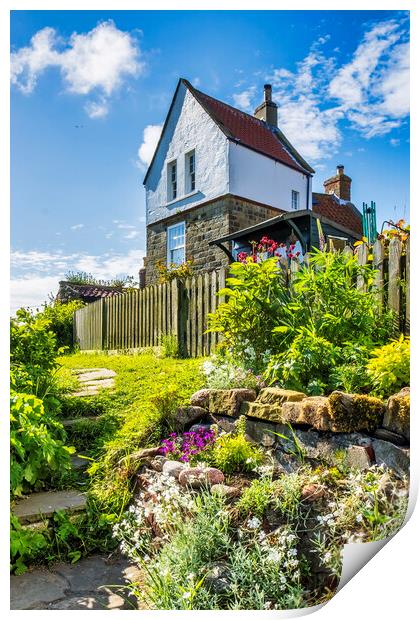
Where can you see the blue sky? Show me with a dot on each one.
(90, 90)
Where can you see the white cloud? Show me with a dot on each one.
(77, 226)
(96, 61)
(394, 142)
(151, 135)
(36, 274)
(369, 92)
(244, 99)
(96, 109)
(132, 234)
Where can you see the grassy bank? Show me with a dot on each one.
(148, 389)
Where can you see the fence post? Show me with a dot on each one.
(104, 324)
(407, 287)
(362, 257)
(394, 295)
(378, 264)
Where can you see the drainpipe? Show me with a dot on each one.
(307, 191)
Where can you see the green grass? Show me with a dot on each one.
(147, 392)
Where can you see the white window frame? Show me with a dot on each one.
(190, 173)
(169, 249)
(172, 180)
(295, 200)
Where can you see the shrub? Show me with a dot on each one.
(60, 317)
(255, 299)
(302, 334)
(389, 367)
(232, 452)
(255, 499)
(33, 351)
(222, 374)
(37, 449)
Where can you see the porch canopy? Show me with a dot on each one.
(302, 224)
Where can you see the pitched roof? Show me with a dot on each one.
(69, 290)
(244, 129)
(250, 131)
(340, 211)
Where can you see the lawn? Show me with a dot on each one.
(148, 389)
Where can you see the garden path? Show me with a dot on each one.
(95, 582)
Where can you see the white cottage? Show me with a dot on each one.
(215, 171)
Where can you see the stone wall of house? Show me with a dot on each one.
(203, 224)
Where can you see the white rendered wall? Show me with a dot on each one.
(189, 127)
(262, 179)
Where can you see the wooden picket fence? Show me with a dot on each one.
(139, 319)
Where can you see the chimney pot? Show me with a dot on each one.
(340, 185)
(267, 92)
(267, 110)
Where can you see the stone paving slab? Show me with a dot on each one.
(96, 373)
(91, 583)
(35, 589)
(93, 379)
(36, 505)
(69, 422)
(79, 463)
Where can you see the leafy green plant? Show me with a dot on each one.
(33, 352)
(302, 334)
(169, 344)
(232, 452)
(255, 299)
(389, 366)
(60, 318)
(36, 442)
(309, 356)
(255, 499)
(25, 545)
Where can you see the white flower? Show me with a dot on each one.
(186, 594)
(273, 555)
(359, 518)
(253, 523)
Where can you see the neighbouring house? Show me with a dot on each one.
(217, 171)
(85, 292)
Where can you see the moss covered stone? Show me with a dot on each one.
(272, 413)
(397, 414)
(278, 396)
(354, 412)
(229, 402)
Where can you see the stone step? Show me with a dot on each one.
(79, 463)
(69, 422)
(43, 505)
(99, 373)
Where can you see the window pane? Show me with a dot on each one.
(176, 244)
(177, 256)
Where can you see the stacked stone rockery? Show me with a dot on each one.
(359, 428)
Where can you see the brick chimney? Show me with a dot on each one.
(267, 111)
(340, 185)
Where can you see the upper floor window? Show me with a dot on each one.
(172, 181)
(176, 244)
(295, 200)
(190, 172)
